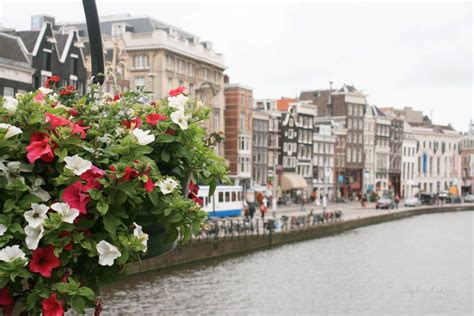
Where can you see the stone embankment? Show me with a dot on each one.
(210, 248)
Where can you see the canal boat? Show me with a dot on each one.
(227, 200)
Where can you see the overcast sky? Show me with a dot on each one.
(400, 54)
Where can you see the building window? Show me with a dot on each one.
(191, 70)
(74, 65)
(140, 62)
(169, 63)
(139, 82)
(8, 92)
(47, 60)
(170, 83)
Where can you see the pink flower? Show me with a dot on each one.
(39, 148)
(79, 129)
(177, 91)
(57, 121)
(39, 97)
(92, 177)
(75, 196)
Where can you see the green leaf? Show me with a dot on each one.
(176, 217)
(9, 205)
(153, 196)
(165, 156)
(78, 304)
(62, 287)
(87, 293)
(61, 153)
(127, 188)
(102, 206)
(111, 224)
(165, 138)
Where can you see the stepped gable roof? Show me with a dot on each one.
(61, 41)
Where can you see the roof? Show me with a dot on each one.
(11, 49)
(311, 94)
(283, 103)
(134, 24)
(61, 40)
(347, 88)
(29, 38)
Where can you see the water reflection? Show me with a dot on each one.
(413, 266)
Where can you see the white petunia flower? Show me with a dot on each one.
(68, 214)
(10, 104)
(77, 164)
(33, 236)
(11, 253)
(167, 186)
(141, 236)
(143, 137)
(11, 130)
(178, 102)
(3, 229)
(181, 119)
(44, 90)
(37, 215)
(107, 253)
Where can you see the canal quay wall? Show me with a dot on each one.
(210, 248)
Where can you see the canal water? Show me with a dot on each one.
(416, 266)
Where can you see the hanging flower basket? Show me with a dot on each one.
(89, 184)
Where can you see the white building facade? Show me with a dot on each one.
(409, 183)
(438, 158)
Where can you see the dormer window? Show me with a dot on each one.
(118, 29)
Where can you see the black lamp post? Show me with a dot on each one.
(95, 40)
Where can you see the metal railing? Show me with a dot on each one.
(242, 227)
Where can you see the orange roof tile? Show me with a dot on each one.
(282, 104)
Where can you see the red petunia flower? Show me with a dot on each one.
(134, 123)
(40, 147)
(57, 121)
(43, 261)
(170, 131)
(153, 119)
(92, 177)
(149, 185)
(176, 92)
(79, 129)
(198, 200)
(130, 173)
(67, 90)
(5, 297)
(52, 81)
(73, 112)
(193, 187)
(75, 196)
(117, 97)
(52, 306)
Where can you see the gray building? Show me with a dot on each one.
(260, 148)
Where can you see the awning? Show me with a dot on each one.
(292, 181)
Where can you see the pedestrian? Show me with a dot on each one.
(303, 201)
(246, 210)
(397, 201)
(263, 210)
(251, 210)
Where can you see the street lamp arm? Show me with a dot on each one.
(95, 40)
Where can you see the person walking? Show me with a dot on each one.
(397, 201)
